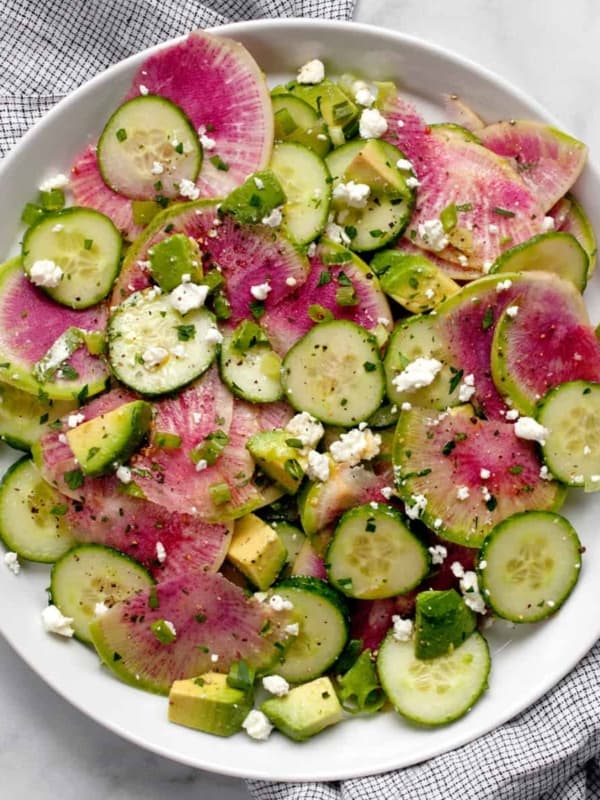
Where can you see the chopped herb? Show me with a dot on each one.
(371, 525)
(44, 419)
(455, 379)
(82, 396)
(93, 451)
(185, 333)
(199, 681)
(464, 207)
(319, 313)
(369, 366)
(448, 447)
(218, 162)
(200, 618)
(297, 443)
(121, 135)
(179, 148)
(503, 212)
(257, 308)
(170, 227)
(346, 296)
(491, 503)
(220, 493)
(59, 510)
(210, 448)
(73, 478)
(324, 278)
(449, 218)
(343, 279)
(69, 372)
(166, 440)
(488, 319)
(350, 231)
(246, 335)
(587, 390)
(516, 469)
(117, 656)
(241, 675)
(344, 581)
(293, 469)
(153, 598)
(87, 244)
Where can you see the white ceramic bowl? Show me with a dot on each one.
(526, 661)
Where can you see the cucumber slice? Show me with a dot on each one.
(528, 565)
(555, 252)
(146, 324)
(571, 415)
(389, 205)
(374, 554)
(92, 573)
(25, 417)
(307, 185)
(32, 521)
(86, 246)
(252, 374)
(297, 121)
(141, 134)
(334, 373)
(571, 218)
(438, 690)
(323, 620)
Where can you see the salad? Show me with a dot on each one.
(302, 382)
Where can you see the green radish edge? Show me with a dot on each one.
(570, 217)
(25, 418)
(528, 565)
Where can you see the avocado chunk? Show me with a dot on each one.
(359, 688)
(257, 551)
(173, 258)
(210, 704)
(280, 456)
(413, 280)
(442, 622)
(110, 438)
(372, 166)
(305, 710)
(255, 198)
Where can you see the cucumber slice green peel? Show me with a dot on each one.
(438, 690)
(528, 565)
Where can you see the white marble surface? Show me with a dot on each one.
(547, 48)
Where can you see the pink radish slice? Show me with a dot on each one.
(219, 86)
(210, 616)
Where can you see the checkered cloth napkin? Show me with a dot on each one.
(549, 752)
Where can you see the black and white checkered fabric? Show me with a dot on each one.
(549, 752)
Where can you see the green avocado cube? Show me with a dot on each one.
(413, 280)
(110, 438)
(257, 551)
(305, 710)
(280, 456)
(173, 258)
(371, 165)
(255, 199)
(209, 704)
(442, 622)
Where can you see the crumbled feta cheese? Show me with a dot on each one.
(275, 684)
(311, 72)
(548, 224)
(55, 622)
(201, 465)
(355, 446)
(437, 523)
(438, 553)
(466, 389)
(372, 125)
(123, 474)
(512, 311)
(213, 335)
(418, 373)
(279, 603)
(57, 228)
(161, 553)
(433, 234)
(484, 474)
(196, 417)
(100, 609)
(306, 428)
(58, 181)
(188, 296)
(318, 466)
(257, 726)
(157, 168)
(400, 123)
(462, 493)
(503, 285)
(364, 94)
(214, 657)
(290, 281)
(188, 189)
(312, 249)
(528, 428)
(207, 142)
(512, 414)
(143, 90)
(482, 564)
(387, 492)
(415, 506)
(154, 357)
(406, 406)
(336, 233)
(384, 321)
(11, 560)
(404, 163)
(469, 587)
(45, 272)
(352, 194)
(403, 628)
(587, 450)
(487, 495)
(260, 291)
(274, 219)
(457, 569)
(73, 420)
(545, 473)
(486, 266)
(293, 629)
(178, 351)
(463, 260)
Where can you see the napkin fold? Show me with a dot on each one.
(549, 752)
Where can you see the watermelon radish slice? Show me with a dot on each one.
(308, 562)
(549, 341)
(441, 457)
(224, 93)
(30, 324)
(406, 130)
(452, 268)
(210, 615)
(289, 320)
(548, 160)
(570, 217)
(247, 256)
(90, 190)
(167, 543)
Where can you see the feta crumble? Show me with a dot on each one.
(279, 603)
(355, 446)
(201, 465)
(207, 142)
(73, 420)
(257, 726)
(412, 182)
(293, 629)
(143, 90)
(274, 219)
(306, 428)
(45, 272)
(161, 553)
(275, 684)
(466, 389)
(364, 94)
(502, 286)
(54, 622)
(404, 163)
(260, 291)
(528, 428)
(402, 628)
(469, 587)
(312, 249)
(100, 609)
(123, 474)
(433, 234)
(512, 414)
(457, 569)
(58, 181)
(484, 474)
(387, 492)
(438, 553)
(545, 473)
(547, 224)
(188, 296)
(354, 195)
(415, 506)
(512, 311)
(290, 281)
(188, 189)
(154, 357)
(11, 561)
(213, 335)
(311, 72)
(318, 466)
(259, 183)
(462, 493)
(420, 372)
(372, 125)
(157, 168)
(336, 233)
